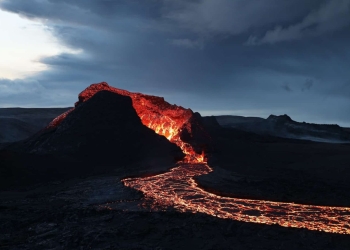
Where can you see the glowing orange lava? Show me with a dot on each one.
(177, 188)
(164, 118)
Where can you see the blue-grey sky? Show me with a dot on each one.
(244, 57)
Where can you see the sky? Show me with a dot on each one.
(234, 57)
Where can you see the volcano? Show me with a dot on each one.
(100, 134)
(179, 125)
(107, 128)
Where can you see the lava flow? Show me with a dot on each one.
(177, 188)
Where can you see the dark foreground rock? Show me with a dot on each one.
(100, 213)
(102, 134)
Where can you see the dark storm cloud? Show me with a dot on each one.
(195, 53)
(330, 16)
(238, 16)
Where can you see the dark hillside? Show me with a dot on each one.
(99, 135)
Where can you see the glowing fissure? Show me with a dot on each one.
(177, 188)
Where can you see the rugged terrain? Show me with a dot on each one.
(62, 187)
(98, 136)
(20, 123)
(100, 213)
(284, 126)
(254, 166)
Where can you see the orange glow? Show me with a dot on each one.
(177, 188)
(165, 119)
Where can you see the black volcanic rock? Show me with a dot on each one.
(194, 133)
(104, 132)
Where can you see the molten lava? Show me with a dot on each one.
(165, 119)
(177, 188)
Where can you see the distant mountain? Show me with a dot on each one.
(20, 123)
(284, 126)
(210, 122)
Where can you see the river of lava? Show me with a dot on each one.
(178, 189)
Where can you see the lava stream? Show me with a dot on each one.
(177, 188)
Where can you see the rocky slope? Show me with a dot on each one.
(179, 125)
(100, 134)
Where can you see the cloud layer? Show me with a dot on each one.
(195, 54)
(331, 16)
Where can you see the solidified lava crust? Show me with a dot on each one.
(178, 189)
